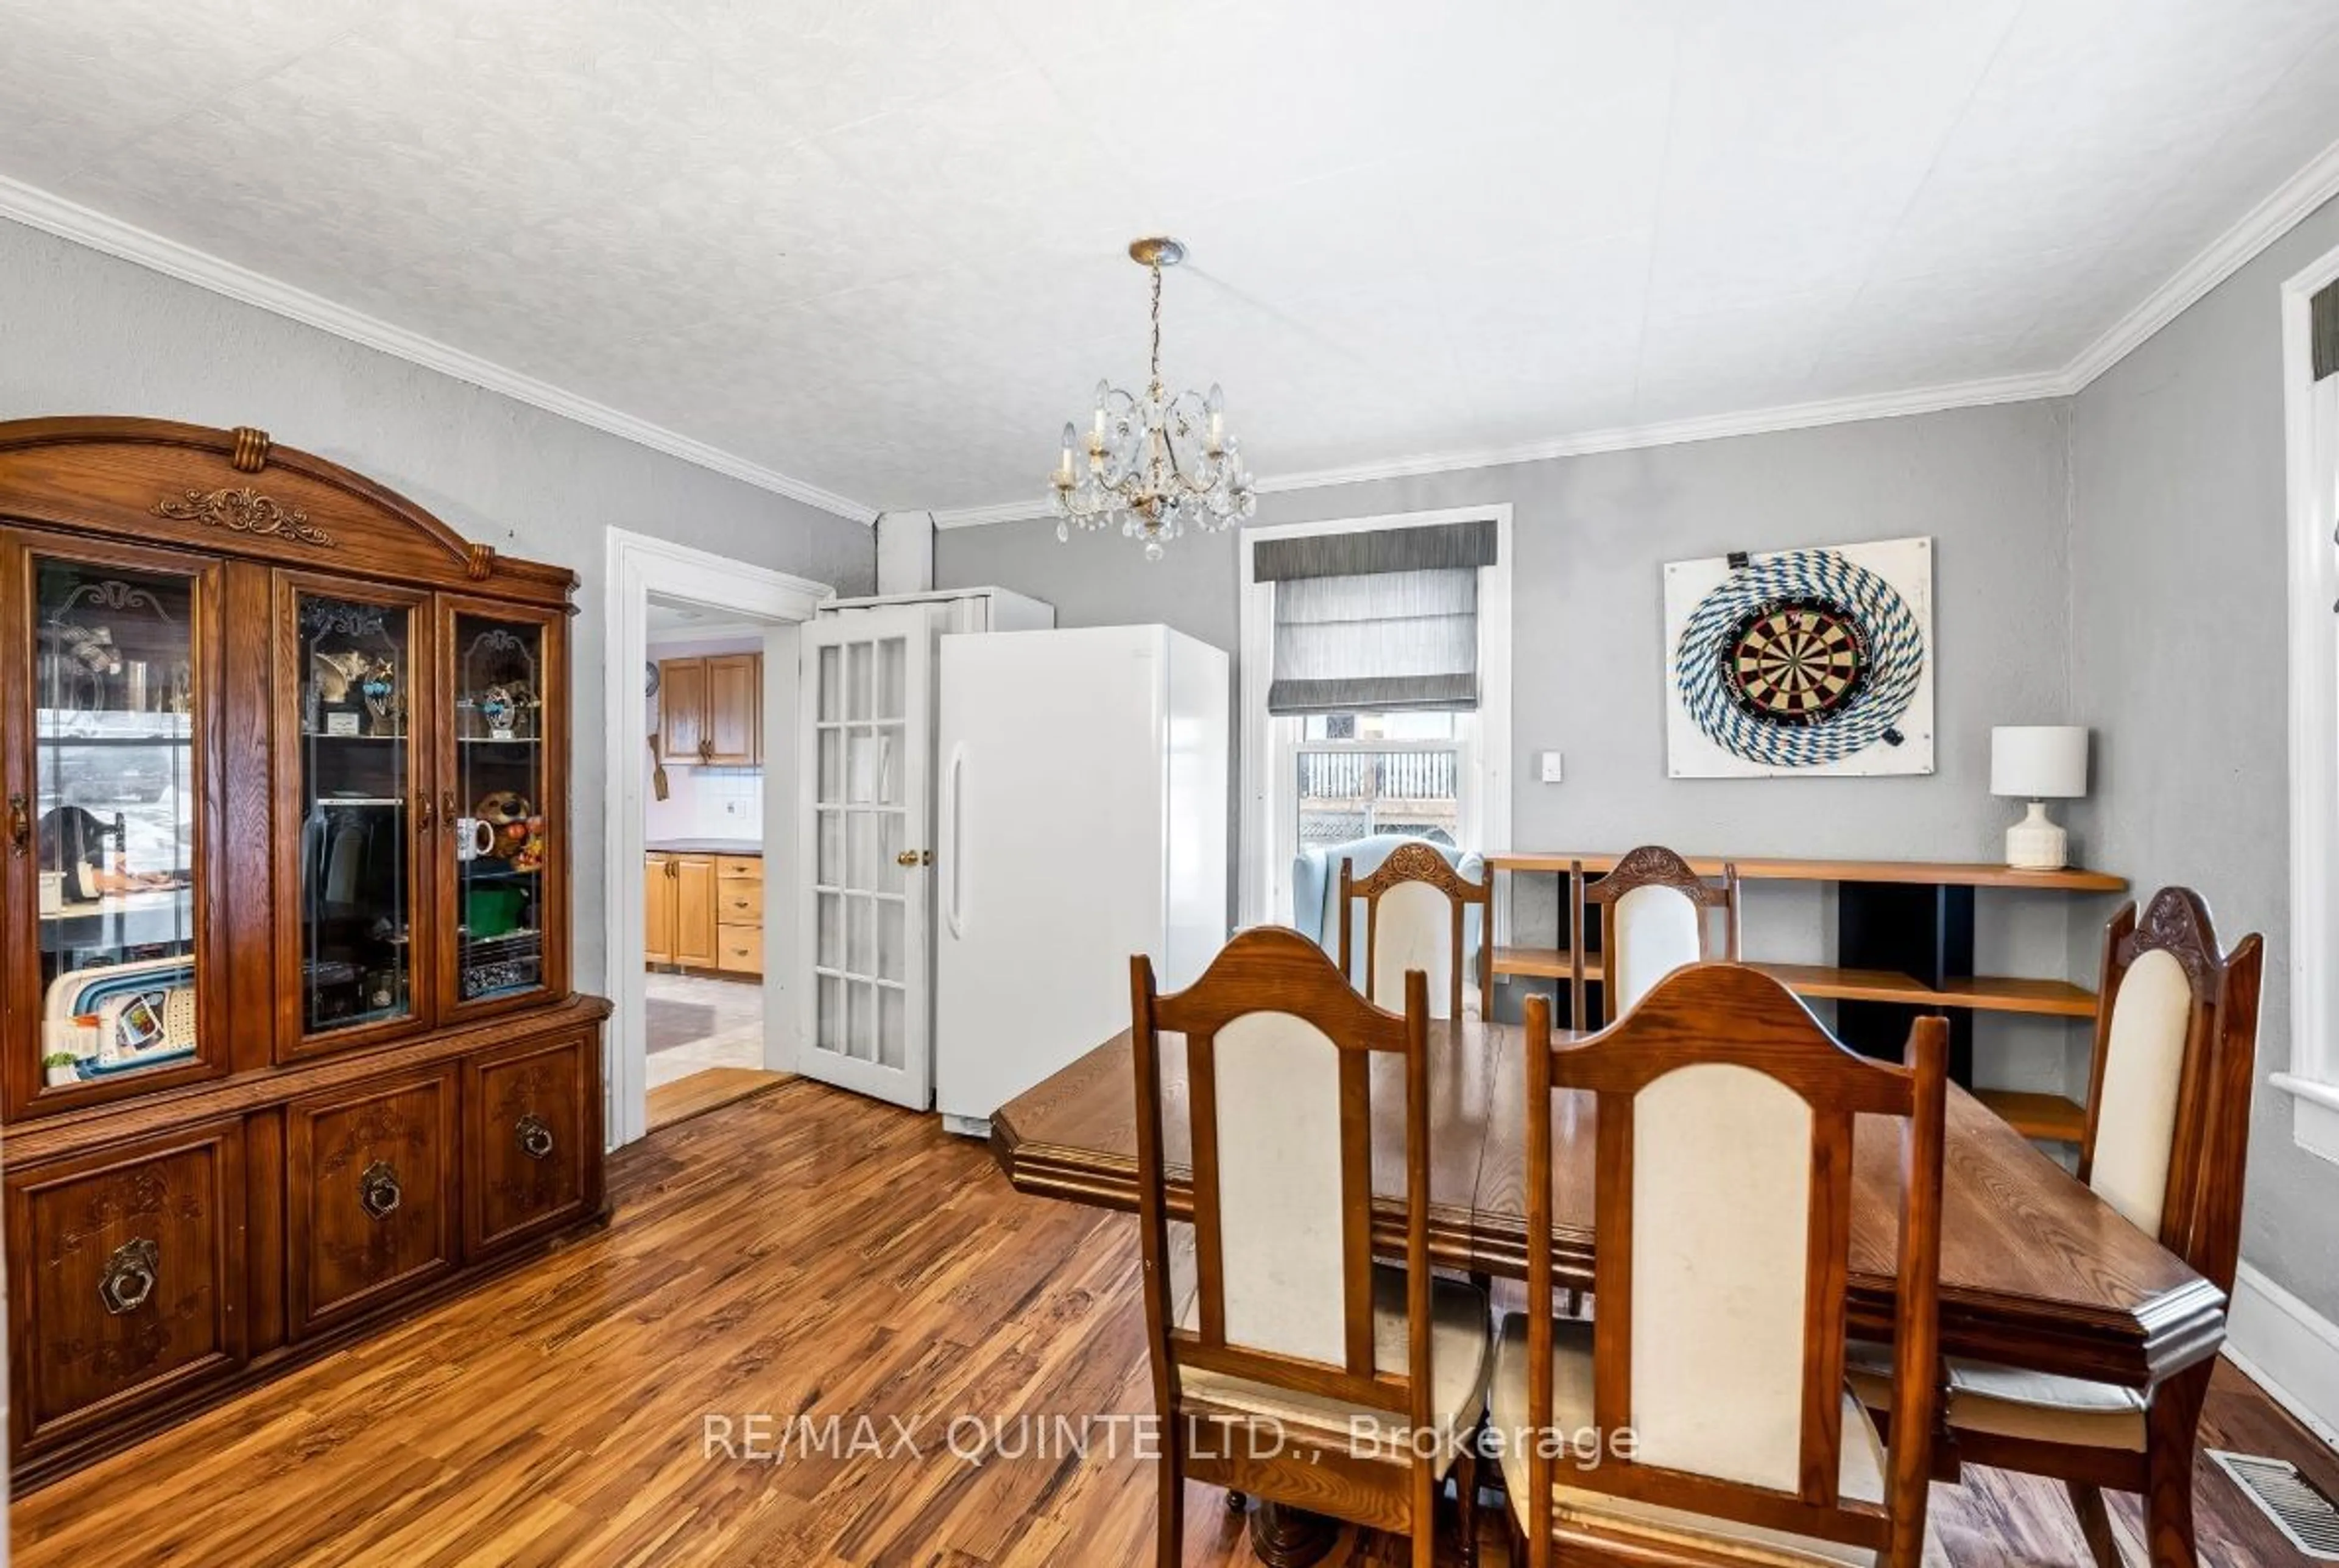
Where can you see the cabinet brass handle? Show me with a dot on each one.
(707, 749)
(447, 809)
(533, 1135)
(379, 1193)
(130, 1276)
(426, 815)
(20, 825)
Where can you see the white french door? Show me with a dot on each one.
(865, 678)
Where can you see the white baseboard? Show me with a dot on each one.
(2288, 1350)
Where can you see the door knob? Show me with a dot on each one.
(378, 1191)
(907, 857)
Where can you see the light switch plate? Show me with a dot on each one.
(1551, 770)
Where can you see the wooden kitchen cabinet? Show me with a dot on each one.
(735, 705)
(658, 914)
(710, 710)
(703, 911)
(694, 911)
(682, 710)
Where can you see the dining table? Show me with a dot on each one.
(2036, 1271)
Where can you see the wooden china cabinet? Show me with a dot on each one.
(287, 1041)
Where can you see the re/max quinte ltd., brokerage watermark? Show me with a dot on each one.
(978, 1440)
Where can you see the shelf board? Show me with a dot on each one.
(2002, 993)
(1918, 872)
(1819, 979)
(1540, 962)
(2036, 1115)
(1980, 993)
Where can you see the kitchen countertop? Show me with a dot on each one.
(753, 846)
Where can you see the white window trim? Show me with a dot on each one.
(2313, 1077)
(1491, 745)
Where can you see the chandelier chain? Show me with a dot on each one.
(1156, 361)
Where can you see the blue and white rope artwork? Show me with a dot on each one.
(1799, 660)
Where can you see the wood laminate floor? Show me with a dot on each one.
(802, 1252)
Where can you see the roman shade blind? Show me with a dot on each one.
(1376, 621)
(2322, 314)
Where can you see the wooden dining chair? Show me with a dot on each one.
(2166, 1140)
(1416, 905)
(1296, 1371)
(1704, 1417)
(1653, 920)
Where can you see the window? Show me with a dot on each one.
(2311, 394)
(1352, 774)
(1376, 688)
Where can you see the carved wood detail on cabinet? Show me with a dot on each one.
(126, 1278)
(371, 1178)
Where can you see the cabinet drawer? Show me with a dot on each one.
(125, 1279)
(740, 948)
(739, 867)
(739, 903)
(531, 1137)
(370, 1208)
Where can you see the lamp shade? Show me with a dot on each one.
(2039, 762)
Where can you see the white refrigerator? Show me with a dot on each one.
(1082, 819)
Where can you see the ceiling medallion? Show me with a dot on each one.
(1158, 462)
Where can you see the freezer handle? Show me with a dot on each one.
(953, 824)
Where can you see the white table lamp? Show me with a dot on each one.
(2037, 763)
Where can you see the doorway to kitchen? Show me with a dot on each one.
(699, 922)
(702, 842)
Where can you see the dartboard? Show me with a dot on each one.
(1794, 661)
(1800, 659)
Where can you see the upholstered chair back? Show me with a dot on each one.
(1726, 1117)
(1658, 930)
(1416, 910)
(1315, 889)
(2175, 1043)
(1654, 918)
(1279, 1058)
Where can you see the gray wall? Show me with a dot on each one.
(1591, 535)
(2179, 662)
(81, 332)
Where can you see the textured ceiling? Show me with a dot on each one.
(878, 246)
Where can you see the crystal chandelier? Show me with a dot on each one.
(1155, 463)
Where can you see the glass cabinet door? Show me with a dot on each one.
(113, 825)
(494, 814)
(349, 747)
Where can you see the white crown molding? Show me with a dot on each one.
(40, 209)
(2267, 221)
(1707, 427)
(2261, 226)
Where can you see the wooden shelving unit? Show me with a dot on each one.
(1978, 993)
(1905, 929)
(2044, 1115)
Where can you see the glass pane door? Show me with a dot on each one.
(494, 816)
(356, 762)
(864, 680)
(115, 722)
